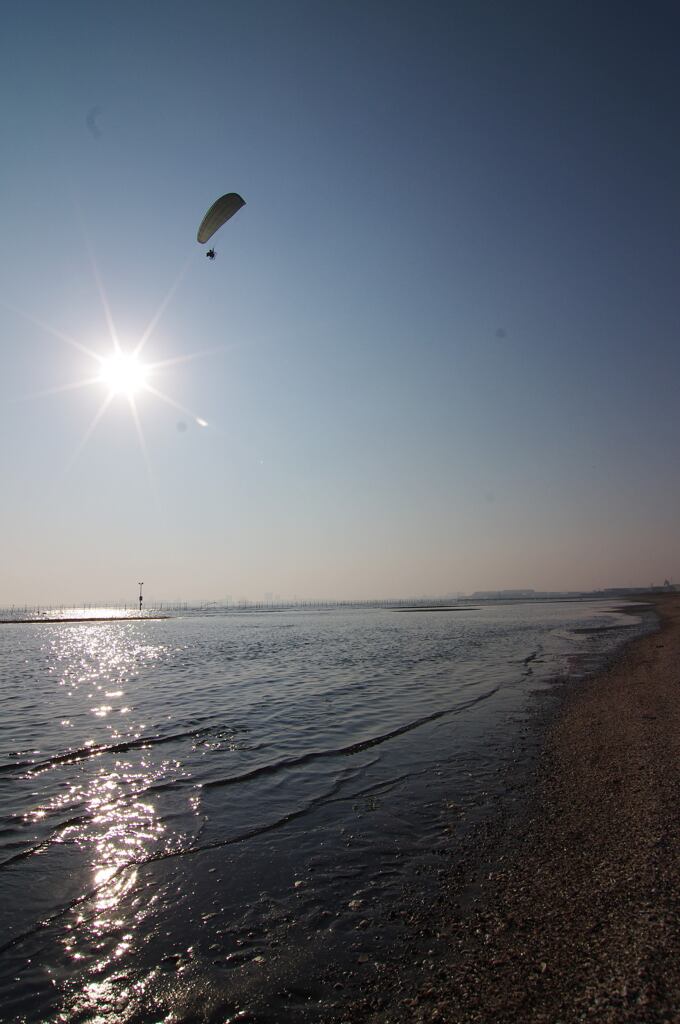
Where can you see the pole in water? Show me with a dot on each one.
(140, 596)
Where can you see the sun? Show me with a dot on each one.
(123, 374)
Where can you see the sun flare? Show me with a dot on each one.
(123, 374)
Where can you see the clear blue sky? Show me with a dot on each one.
(444, 329)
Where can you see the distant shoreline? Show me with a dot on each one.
(437, 608)
(81, 618)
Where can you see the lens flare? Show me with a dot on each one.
(121, 371)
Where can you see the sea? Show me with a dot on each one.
(218, 815)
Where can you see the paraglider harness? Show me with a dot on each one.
(211, 254)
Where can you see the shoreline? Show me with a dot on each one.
(84, 618)
(566, 909)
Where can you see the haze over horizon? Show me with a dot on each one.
(438, 349)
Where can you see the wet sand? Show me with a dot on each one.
(570, 910)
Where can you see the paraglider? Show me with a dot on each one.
(218, 214)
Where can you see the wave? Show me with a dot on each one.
(258, 830)
(96, 750)
(352, 748)
(165, 855)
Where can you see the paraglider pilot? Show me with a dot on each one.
(211, 254)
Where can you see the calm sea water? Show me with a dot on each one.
(199, 815)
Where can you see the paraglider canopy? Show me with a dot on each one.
(218, 214)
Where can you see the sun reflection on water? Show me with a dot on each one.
(98, 797)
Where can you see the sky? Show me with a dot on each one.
(437, 351)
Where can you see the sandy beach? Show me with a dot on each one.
(569, 910)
